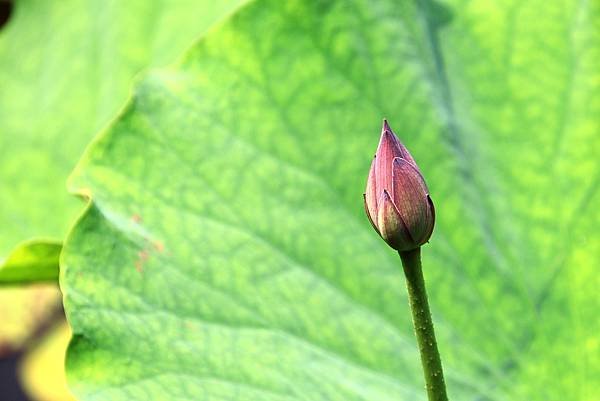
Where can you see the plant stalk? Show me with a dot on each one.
(417, 296)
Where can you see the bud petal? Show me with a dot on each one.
(391, 227)
(386, 152)
(371, 196)
(411, 199)
(430, 220)
(369, 214)
(401, 149)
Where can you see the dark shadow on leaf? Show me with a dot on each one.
(6, 8)
(437, 13)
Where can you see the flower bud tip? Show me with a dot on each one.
(397, 200)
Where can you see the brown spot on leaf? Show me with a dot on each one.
(143, 256)
(159, 246)
(139, 266)
(150, 248)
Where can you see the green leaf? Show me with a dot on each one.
(66, 68)
(225, 253)
(31, 262)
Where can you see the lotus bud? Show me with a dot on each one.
(397, 200)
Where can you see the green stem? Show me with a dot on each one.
(417, 296)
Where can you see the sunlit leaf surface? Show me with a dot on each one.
(225, 254)
(30, 262)
(65, 69)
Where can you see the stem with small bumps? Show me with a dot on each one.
(417, 296)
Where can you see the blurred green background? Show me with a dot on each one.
(224, 253)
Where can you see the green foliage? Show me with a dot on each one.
(225, 253)
(65, 69)
(30, 262)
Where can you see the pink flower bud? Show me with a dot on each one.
(397, 200)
